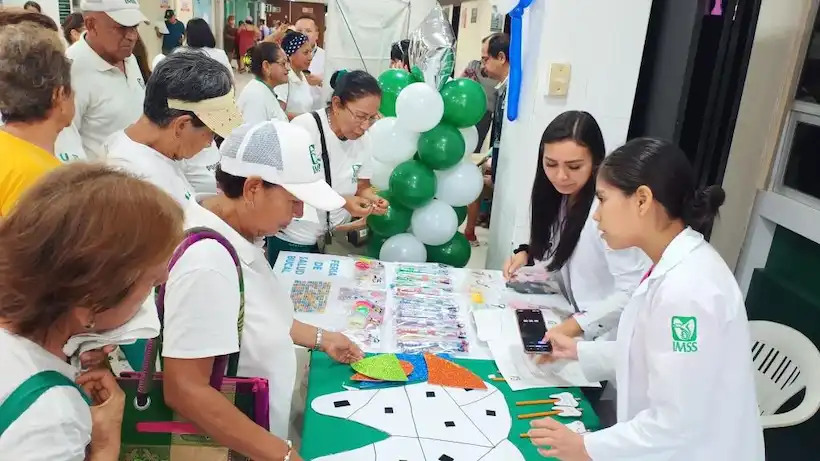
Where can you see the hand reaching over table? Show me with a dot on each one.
(340, 348)
(559, 441)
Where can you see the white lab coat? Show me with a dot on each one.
(685, 388)
(599, 281)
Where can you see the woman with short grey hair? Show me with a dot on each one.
(36, 103)
(188, 99)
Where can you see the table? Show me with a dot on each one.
(324, 435)
(339, 270)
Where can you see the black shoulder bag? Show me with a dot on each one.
(326, 164)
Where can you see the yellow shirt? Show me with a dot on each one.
(21, 165)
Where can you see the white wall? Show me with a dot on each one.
(779, 45)
(603, 42)
(151, 9)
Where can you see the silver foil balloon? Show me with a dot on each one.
(432, 49)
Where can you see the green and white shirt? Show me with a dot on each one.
(350, 161)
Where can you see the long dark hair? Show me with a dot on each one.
(581, 128)
(664, 169)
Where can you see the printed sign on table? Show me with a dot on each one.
(306, 266)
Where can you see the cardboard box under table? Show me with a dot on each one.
(428, 423)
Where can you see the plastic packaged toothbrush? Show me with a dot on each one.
(421, 290)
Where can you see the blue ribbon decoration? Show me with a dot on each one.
(516, 38)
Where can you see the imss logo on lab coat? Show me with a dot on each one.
(684, 334)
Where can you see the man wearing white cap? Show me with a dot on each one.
(267, 172)
(107, 82)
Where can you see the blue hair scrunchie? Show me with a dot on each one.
(292, 42)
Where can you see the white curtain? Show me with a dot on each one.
(359, 33)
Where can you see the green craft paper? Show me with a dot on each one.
(325, 435)
(385, 367)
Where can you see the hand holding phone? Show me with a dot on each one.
(533, 328)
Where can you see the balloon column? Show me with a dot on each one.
(422, 150)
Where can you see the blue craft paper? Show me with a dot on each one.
(418, 375)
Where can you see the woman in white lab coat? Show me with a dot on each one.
(597, 280)
(682, 359)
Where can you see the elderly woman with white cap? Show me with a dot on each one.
(296, 95)
(266, 174)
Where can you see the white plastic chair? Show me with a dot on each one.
(786, 362)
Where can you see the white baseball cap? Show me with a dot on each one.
(283, 154)
(125, 12)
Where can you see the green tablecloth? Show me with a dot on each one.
(325, 435)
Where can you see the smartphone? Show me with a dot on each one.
(533, 288)
(532, 327)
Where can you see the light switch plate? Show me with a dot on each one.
(559, 79)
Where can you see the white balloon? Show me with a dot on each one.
(470, 135)
(505, 6)
(459, 185)
(391, 143)
(419, 108)
(381, 174)
(435, 223)
(403, 248)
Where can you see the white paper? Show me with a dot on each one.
(463, 425)
(519, 369)
(439, 449)
(408, 448)
(390, 410)
(439, 417)
(505, 451)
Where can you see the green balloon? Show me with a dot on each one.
(395, 221)
(464, 102)
(442, 147)
(374, 246)
(392, 81)
(418, 75)
(412, 184)
(461, 213)
(454, 253)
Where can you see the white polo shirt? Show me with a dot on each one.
(202, 307)
(317, 64)
(58, 424)
(106, 100)
(148, 164)
(297, 94)
(200, 171)
(349, 161)
(258, 103)
(69, 146)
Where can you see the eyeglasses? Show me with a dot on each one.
(362, 118)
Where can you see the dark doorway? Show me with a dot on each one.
(691, 78)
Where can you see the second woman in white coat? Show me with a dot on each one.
(597, 280)
(682, 360)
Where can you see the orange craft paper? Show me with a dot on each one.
(441, 372)
(406, 366)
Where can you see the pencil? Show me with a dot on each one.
(535, 402)
(524, 436)
(498, 378)
(541, 414)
